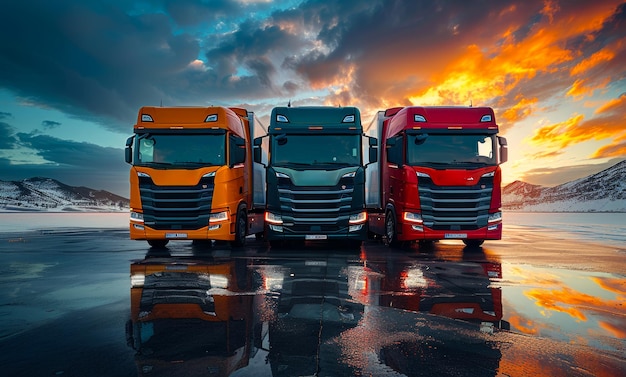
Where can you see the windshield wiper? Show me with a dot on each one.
(157, 163)
(196, 163)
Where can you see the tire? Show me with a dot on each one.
(473, 244)
(158, 244)
(241, 225)
(390, 230)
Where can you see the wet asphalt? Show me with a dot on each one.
(91, 302)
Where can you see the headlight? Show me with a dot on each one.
(136, 216)
(352, 174)
(217, 217)
(358, 218)
(273, 218)
(218, 281)
(495, 217)
(491, 174)
(281, 175)
(423, 175)
(412, 217)
(137, 280)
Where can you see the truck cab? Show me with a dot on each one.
(191, 175)
(315, 174)
(439, 175)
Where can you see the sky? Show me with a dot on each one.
(74, 73)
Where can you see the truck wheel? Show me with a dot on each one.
(158, 244)
(240, 229)
(390, 230)
(473, 244)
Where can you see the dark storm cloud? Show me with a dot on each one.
(4, 115)
(7, 136)
(72, 163)
(89, 59)
(73, 153)
(49, 124)
(101, 61)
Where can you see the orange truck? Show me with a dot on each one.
(192, 173)
(196, 311)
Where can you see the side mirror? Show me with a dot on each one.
(373, 150)
(256, 149)
(128, 152)
(394, 151)
(237, 150)
(504, 149)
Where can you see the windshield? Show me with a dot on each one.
(181, 150)
(424, 149)
(341, 150)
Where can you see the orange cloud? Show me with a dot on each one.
(523, 325)
(578, 304)
(618, 331)
(607, 122)
(593, 61)
(617, 286)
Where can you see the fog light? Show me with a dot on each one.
(417, 228)
(214, 227)
(354, 228)
(276, 228)
(138, 226)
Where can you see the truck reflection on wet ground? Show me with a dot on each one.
(348, 312)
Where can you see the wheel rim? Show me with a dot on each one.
(241, 228)
(390, 228)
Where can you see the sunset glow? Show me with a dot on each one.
(554, 72)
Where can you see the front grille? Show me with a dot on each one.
(455, 207)
(176, 288)
(176, 207)
(321, 209)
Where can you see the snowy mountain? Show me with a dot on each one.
(45, 194)
(601, 192)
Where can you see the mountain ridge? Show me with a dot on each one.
(604, 191)
(41, 194)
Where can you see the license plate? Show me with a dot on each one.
(175, 235)
(455, 235)
(315, 263)
(315, 237)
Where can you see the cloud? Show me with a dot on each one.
(49, 124)
(559, 174)
(4, 115)
(70, 162)
(7, 136)
(607, 122)
(102, 61)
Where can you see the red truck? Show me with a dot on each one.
(438, 175)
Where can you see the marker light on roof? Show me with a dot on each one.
(348, 119)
